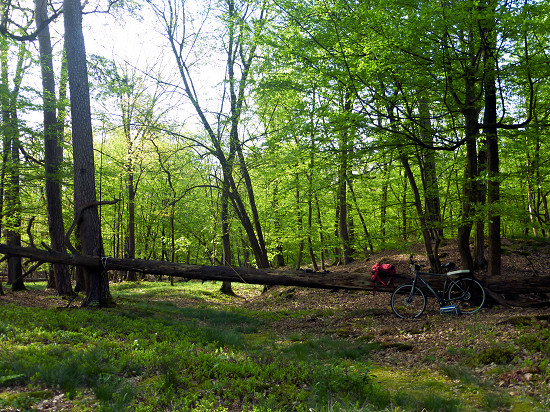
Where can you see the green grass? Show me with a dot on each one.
(149, 354)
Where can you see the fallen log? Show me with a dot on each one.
(319, 280)
(503, 290)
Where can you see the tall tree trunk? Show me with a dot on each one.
(343, 166)
(531, 191)
(479, 232)
(468, 189)
(470, 108)
(431, 251)
(300, 224)
(361, 218)
(227, 259)
(15, 268)
(491, 136)
(5, 104)
(384, 201)
(125, 104)
(131, 239)
(433, 258)
(321, 233)
(404, 209)
(240, 56)
(97, 282)
(53, 152)
(310, 219)
(11, 145)
(429, 173)
(536, 197)
(279, 257)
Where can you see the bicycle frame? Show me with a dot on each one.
(441, 298)
(418, 278)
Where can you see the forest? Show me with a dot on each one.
(273, 134)
(333, 129)
(145, 141)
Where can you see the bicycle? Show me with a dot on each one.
(462, 295)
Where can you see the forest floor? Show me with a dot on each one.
(506, 347)
(434, 340)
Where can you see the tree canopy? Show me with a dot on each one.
(279, 133)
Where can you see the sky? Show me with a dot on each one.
(140, 43)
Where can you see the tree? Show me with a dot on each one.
(53, 150)
(10, 179)
(86, 212)
(243, 22)
(135, 111)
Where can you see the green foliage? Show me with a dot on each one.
(311, 58)
(499, 355)
(496, 401)
(151, 352)
(535, 342)
(427, 401)
(146, 356)
(459, 372)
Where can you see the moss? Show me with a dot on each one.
(400, 347)
(499, 355)
(519, 321)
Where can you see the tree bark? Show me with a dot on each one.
(491, 135)
(429, 173)
(321, 233)
(300, 224)
(361, 218)
(53, 152)
(433, 258)
(216, 273)
(468, 189)
(226, 240)
(479, 234)
(11, 166)
(279, 260)
(343, 210)
(97, 283)
(352, 281)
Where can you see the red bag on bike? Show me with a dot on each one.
(383, 273)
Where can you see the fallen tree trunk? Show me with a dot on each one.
(222, 273)
(502, 291)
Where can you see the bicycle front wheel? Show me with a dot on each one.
(408, 302)
(468, 294)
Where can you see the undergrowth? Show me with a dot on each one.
(150, 354)
(143, 355)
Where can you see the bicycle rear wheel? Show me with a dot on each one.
(408, 302)
(468, 294)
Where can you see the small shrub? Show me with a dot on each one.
(12, 380)
(500, 355)
(496, 401)
(459, 372)
(5, 328)
(23, 400)
(532, 342)
(426, 402)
